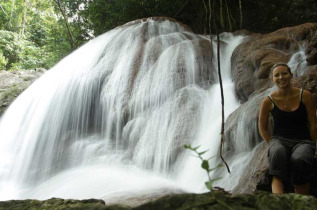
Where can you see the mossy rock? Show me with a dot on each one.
(53, 203)
(218, 200)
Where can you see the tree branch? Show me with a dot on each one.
(206, 10)
(181, 8)
(220, 82)
(3, 10)
(72, 42)
(241, 16)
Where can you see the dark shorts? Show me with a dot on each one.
(291, 160)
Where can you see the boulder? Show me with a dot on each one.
(256, 176)
(308, 81)
(311, 49)
(251, 61)
(241, 130)
(12, 83)
(312, 57)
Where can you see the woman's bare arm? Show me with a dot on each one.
(311, 113)
(266, 107)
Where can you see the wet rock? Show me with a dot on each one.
(53, 203)
(256, 177)
(245, 32)
(12, 83)
(312, 57)
(251, 61)
(311, 48)
(244, 119)
(187, 28)
(308, 81)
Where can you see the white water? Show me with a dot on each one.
(111, 119)
(297, 62)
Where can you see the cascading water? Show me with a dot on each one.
(111, 119)
(298, 63)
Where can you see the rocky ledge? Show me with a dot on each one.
(12, 83)
(217, 200)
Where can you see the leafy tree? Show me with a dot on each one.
(55, 31)
(3, 61)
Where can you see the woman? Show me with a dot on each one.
(291, 149)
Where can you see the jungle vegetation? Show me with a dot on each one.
(38, 33)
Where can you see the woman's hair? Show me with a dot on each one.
(280, 64)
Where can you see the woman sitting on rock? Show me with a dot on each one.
(291, 149)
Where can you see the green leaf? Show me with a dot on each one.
(215, 179)
(205, 165)
(218, 166)
(209, 185)
(201, 153)
(195, 148)
(211, 157)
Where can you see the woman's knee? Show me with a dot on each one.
(277, 150)
(301, 162)
(302, 156)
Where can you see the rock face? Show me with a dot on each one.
(12, 83)
(217, 200)
(308, 81)
(311, 49)
(251, 65)
(251, 61)
(54, 203)
(256, 177)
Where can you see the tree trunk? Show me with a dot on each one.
(206, 11)
(221, 15)
(241, 16)
(24, 16)
(72, 42)
(182, 7)
(12, 8)
(3, 10)
(228, 16)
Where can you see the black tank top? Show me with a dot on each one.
(291, 125)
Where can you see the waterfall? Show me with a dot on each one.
(111, 119)
(297, 62)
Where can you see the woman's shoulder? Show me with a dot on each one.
(306, 97)
(306, 92)
(267, 104)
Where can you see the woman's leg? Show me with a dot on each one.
(302, 189)
(277, 185)
(278, 165)
(302, 158)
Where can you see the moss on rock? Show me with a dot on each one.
(218, 200)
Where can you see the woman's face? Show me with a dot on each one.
(281, 76)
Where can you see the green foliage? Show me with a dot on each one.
(103, 15)
(18, 53)
(205, 165)
(11, 46)
(3, 61)
(37, 36)
(10, 93)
